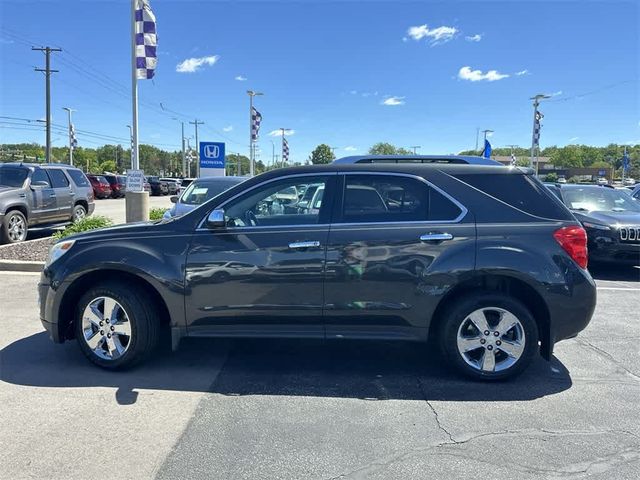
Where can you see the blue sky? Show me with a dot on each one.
(344, 73)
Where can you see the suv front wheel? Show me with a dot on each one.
(14, 227)
(489, 336)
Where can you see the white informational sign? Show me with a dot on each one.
(135, 180)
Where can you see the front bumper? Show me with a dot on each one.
(46, 296)
(92, 207)
(606, 250)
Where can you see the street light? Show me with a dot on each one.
(251, 94)
(69, 110)
(535, 135)
(131, 144)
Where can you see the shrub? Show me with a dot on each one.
(84, 225)
(156, 213)
(551, 177)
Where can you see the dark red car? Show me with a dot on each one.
(118, 184)
(101, 187)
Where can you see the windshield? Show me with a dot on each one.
(199, 192)
(599, 199)
(13, 177)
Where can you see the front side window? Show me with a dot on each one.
(40, 175)
(277, 203)
(58, 178)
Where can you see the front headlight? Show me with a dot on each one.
(58, 250)
(595, 226)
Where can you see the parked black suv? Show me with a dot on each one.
(610, 217)
(158, 187)
(484, 260)
(38, 195)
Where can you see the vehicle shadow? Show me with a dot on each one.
(620, 273)
(344, 369)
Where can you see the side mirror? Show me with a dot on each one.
(174, 199)
(216, 219)
(39, 185)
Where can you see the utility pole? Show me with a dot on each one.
(184, 156)
(252, 94)
(196, 123)
(535, 134)
(71, 134)
(477, 134)
(273, 153)
(131, 145)
(47, 73)
(415, 148)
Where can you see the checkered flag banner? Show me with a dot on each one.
(256, 118)
(513, 160)
(285, 150)
(72, 136)
(536, 129)
(146, 40)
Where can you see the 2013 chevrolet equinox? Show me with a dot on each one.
(483, 259)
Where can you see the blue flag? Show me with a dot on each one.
(486, 153)
(625, 161)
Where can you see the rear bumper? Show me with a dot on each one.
(92, 207)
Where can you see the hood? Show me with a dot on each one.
(609, 218)
(115, 231)
(4, 189)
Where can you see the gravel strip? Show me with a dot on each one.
(32, 250)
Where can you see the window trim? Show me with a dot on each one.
(201, 226)
(40, 169)
(339, 204)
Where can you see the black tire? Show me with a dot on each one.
(7, 232)
(144, 324)
(79, 212)
(459, 311)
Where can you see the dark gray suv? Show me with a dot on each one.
(483, 260)
(32, 194)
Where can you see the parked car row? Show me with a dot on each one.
(40, 195)
(482, 259)
(114, 186)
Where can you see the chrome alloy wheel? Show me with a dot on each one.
(106, 328)
(16, 229)
(491, 339)
(79, 214)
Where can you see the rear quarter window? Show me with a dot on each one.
(78, 178)
(520, 191)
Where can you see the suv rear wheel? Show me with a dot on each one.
(79, 212)
(14, 227)
(114, 328)
(489, 336)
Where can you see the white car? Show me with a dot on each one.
(602, 181)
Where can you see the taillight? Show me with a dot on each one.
(574, 241)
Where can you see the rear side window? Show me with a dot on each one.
(391, 198)
(40, 175)
(521, 192)
(58, 178)
(78, 178)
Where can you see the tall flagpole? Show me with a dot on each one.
(135, 160)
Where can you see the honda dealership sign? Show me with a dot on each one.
(212, 159)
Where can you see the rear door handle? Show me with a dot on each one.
(435, 237)
(304, 244)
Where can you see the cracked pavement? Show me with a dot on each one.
(294, 409)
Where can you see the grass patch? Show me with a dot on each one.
(84, 225)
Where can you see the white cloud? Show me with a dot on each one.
(191, 65)
(227, 129)
(353, 92)
(473, 38)
(393, 101)
(573, 139)
(522, 72)
(278, 133)
(241, 78)
(436, 36)
(351, 148)
(555, 94)
(466, 73)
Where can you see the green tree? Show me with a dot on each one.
(322, 154)
(383, 148)
(551, 177)
(233, 160)
(108, 166)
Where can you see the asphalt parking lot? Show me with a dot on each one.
(320, 410)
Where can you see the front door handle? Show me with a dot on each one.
(435, 237)
(304, 244)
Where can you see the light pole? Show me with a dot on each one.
(71, 145)
(535, 134)
(415, 148)
(251, 94)
(273, 153)
(131, 145)
(196, 123)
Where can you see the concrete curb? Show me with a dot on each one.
(20, 266)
